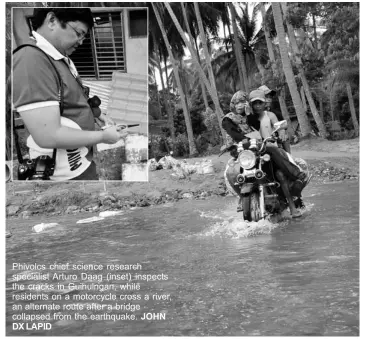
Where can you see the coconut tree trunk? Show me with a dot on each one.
(283, 108)
(184, 82)
(213, 94)
(332, 109)
(260, 67)
(206, 51)
(321, 107)
(352, 108)
(312, 105)
(157, 92)
(315, 31)
(320, 98)
(170, 105)
(189, 130)
(302, 94)
(238, 48)
(239, 69)
(225, 38)
(293, 43)
(267, 36)
(204, 92)
(169, 112)
(209, 66)
(288, 71)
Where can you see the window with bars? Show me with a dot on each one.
(102, 51)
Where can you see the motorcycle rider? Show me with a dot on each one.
(270, 94)
(235, 124)
(266, 121)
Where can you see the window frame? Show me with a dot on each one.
(129, 22)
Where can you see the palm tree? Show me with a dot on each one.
(238, 51)
(212, 93)
(288, 71)
(158, 48)
(189, 130)
(169, 111)
(253, 48)
(205, 48)
(187, 26)
(347, 71)
(352, 108)
(253, 43)
(303, 78)
(283, 108)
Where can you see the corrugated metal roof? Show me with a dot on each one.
(128, 100)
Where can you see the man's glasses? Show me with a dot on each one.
(80, 36)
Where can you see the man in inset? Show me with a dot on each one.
(41, 77)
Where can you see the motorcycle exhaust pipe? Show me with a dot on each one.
(259, 174)
(241, 178)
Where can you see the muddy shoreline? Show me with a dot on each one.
(329, 161)
(73, 201)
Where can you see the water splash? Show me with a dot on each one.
(231, 224)
(238, 228)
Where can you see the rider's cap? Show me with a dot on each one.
(257, 95)
(267, 90)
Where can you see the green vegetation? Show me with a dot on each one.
(315, 50)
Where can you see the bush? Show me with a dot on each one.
(181, 145)
(63, 199)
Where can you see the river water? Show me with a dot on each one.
(225, 277)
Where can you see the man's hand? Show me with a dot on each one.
(111, 135)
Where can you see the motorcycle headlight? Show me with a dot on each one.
(247, 159)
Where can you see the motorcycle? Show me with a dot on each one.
(251, 176)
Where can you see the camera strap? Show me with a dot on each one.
(60, 100)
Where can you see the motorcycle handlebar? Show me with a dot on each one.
(227, 149)
(273, 137)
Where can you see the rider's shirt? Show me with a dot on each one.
(266, 127)
(241, 122)
(267, 121)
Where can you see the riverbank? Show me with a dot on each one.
(328, 161)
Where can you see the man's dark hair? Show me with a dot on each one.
(63, 15)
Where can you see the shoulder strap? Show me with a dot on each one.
(60, 100)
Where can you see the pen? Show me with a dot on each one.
(119, 126)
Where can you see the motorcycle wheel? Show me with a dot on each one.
(255, 207)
